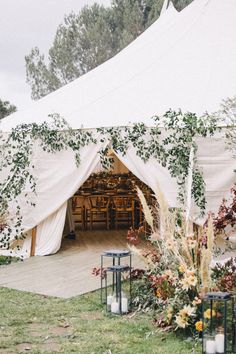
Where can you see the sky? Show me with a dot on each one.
(25, 24)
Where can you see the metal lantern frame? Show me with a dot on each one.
(116, 270)
(218, 335)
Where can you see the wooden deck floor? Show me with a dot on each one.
(67, 273)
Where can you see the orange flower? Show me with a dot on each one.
(198, 326)
(158, 293)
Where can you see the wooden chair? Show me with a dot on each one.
(99, 210)
(124, 210)
(78, 210)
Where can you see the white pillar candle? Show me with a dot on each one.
(210, 346)
(115, 307)
(109, 301)
(220, 343)
(124, 304)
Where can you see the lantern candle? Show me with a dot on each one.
(210, 346)
(220, 343)
(109, 301)
(124, 304)
(115, 307)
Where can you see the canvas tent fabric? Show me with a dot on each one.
(58, 178)
(184, 60)
(177, 62)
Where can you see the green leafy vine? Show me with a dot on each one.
(169, 141)
(16, 152)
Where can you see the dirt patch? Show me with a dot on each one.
(24, 347)
(35, 334)
(37, 330)
(49, 345)
(35, 327)
(59, 331)
(91, 315)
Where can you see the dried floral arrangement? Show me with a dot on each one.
(179, 273)
(225, 220)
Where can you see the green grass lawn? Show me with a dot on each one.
(38, 324)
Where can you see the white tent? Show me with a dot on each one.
(184, 60)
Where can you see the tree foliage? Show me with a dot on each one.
(6, 108)
(85, 40)
(227, 116)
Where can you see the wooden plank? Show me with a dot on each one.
(33, 241)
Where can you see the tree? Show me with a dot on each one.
(81, 43)
(89, 38)
(180, 4)
(6, 108)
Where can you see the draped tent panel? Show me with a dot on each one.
(49, 233)
(152, 174)
(57, 179)
(216, 163)
(218, 166)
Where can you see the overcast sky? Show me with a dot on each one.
(25, 24)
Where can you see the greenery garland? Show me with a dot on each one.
(16, 155)
(169, 143)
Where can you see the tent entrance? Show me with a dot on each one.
(107, 201)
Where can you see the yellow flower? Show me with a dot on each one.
(192, 280)
(182, 322)
(158, 293)
(187, 311)
(198, 326)
(169, 314)
(181, 269)
(189, 281)
(185, 283)
(207, 314)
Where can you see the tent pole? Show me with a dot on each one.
(33, 241)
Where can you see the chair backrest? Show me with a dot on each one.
(99, 202)
(77, 202)
(123, 203)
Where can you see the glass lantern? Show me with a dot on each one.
(218, 323)
(115, 256)
(119, 301)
